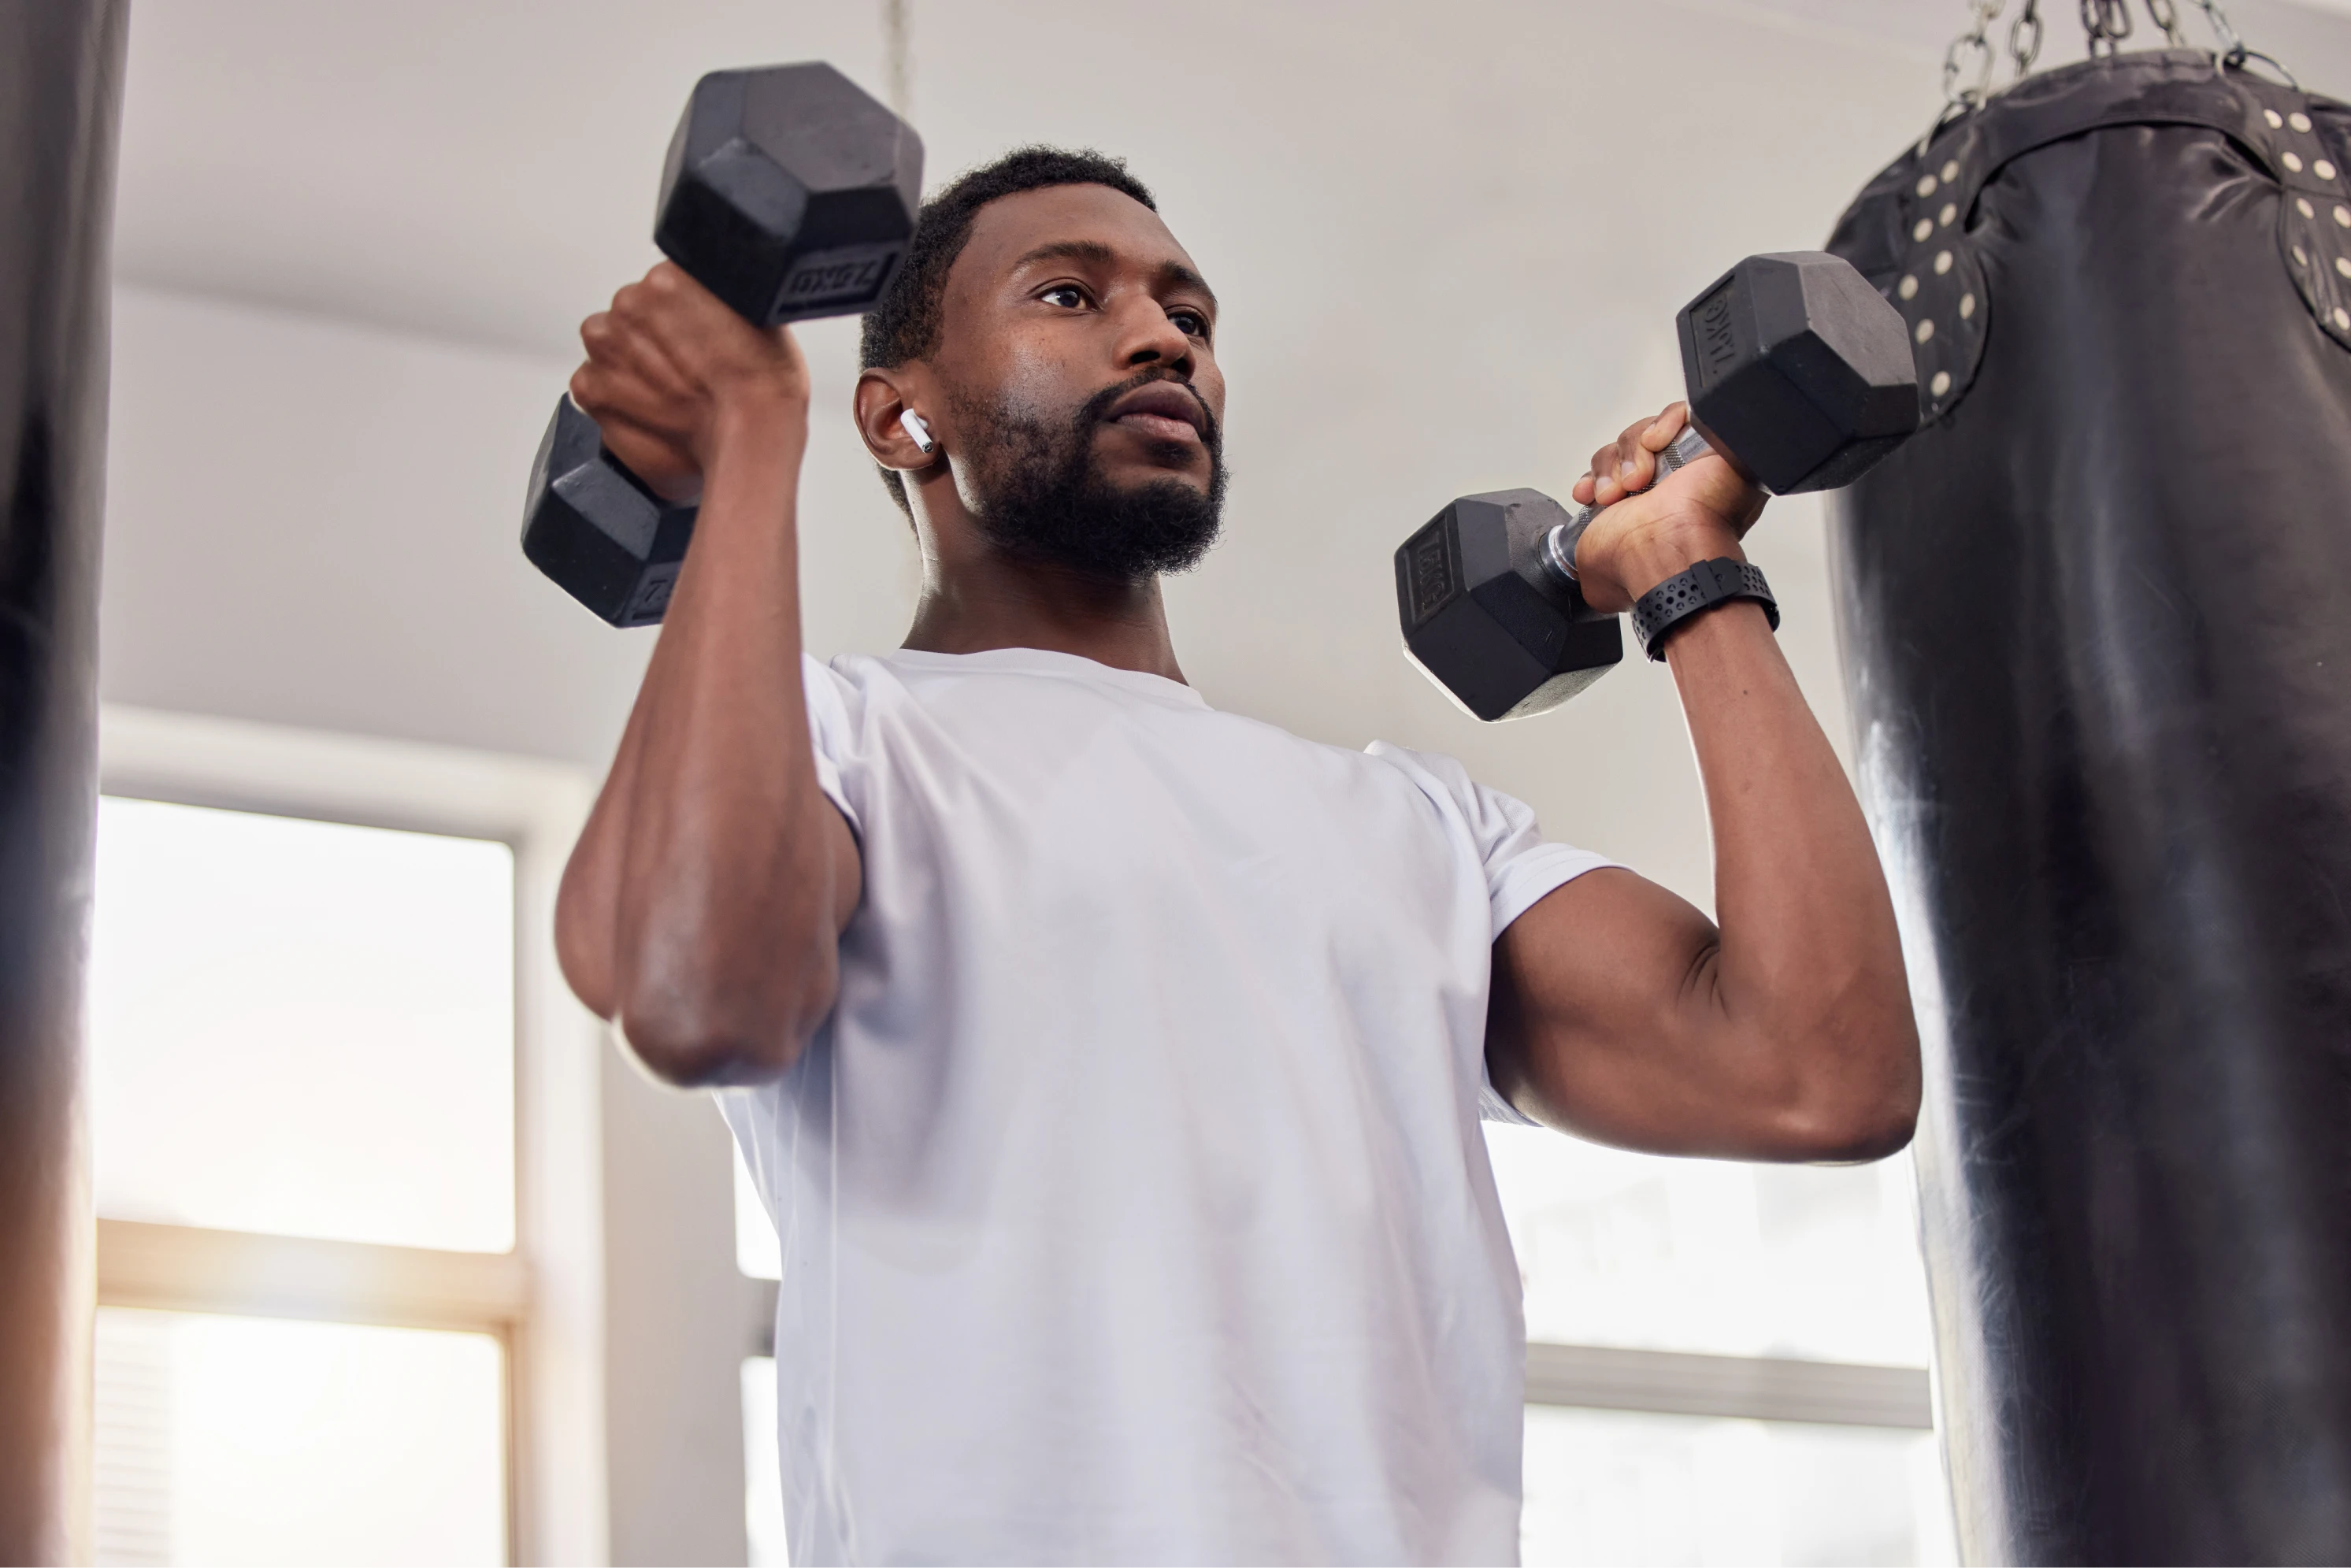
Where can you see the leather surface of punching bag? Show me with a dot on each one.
(2098, 629)
(60, 76)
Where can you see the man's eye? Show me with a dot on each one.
(1191, 323)
(1069, 296)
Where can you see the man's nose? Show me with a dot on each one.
(1146, 336)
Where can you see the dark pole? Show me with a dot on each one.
(60, 90)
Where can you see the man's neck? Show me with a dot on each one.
(985, 600)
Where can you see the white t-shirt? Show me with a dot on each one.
(1132, 1199)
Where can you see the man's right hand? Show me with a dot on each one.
(703, 908)
(1654, 528)
(672, 375)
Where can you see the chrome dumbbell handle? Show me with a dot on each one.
(1556, 548)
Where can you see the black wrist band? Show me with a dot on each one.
(1694, 591)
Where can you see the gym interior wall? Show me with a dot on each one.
(60, 76)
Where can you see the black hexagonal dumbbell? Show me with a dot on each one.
(1798, 371)
(790, 193)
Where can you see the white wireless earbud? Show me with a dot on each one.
(917, 432)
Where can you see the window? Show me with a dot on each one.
(758, 1253)
(1814, 1262)
(343, 1187)
(261, 1441)
(761, 1256)
(1609, 1487)
(303, 1027)
(1725, 1363)
(763, 1488)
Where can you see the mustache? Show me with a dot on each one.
(1092, 411)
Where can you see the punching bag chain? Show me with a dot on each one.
(1971, 50)
(2232, 47)
(2108, 23)
(2024, 38)
(2234, 53)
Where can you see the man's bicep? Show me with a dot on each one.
(1595, 992)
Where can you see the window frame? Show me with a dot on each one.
(543, 1301)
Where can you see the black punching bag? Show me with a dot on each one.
(61, 79)
(2097, 626)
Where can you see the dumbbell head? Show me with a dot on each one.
(788, 193)
(593, 527)
(1799, 371)
(1490, 624)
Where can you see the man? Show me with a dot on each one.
(1113, 1066)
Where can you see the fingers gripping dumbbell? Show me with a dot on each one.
(790, 193)
(1798, 371)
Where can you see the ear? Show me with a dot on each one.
(883, 400)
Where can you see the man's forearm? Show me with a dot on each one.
(706, 877)
(1809, 964)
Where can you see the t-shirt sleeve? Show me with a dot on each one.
(831, 734)
(1520, 864)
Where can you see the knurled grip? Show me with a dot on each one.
(1557, 547)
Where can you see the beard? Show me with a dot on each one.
(1043, 497)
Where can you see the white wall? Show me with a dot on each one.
(1450, 241)
(1450, 255)
(325, 535)
(316, 522)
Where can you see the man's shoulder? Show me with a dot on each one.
(1434, 772)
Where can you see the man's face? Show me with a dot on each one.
(1077, 356)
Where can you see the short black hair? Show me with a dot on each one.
(904, 323)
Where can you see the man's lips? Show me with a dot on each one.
(1161, 411)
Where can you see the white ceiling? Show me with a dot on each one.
(484, 169)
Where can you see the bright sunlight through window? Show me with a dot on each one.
(258, 1441)
(303, 1027)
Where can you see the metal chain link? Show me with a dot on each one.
(2108, 23)
(2024, 38)
(2234, 53)
(1973, 43)
(2232, 50)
